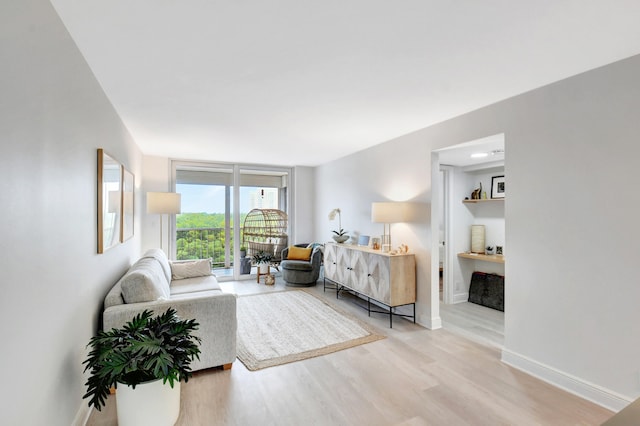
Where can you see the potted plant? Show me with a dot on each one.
(139, 359)
(262, 259)
(489, 250)
(243, 252)
(340, 235)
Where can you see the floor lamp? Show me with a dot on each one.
(163, 203)
(388, 213)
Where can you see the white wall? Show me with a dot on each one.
(157, 178)
(571, 222)
(398, 170)
(304, 208)
(53, 117)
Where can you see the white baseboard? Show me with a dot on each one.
(461, 297)
(432, 323)
(83, 414)
(589, 391)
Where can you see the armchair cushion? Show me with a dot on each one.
(298, 265)
(299, 253)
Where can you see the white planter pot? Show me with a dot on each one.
(263, 268)
(152, 403)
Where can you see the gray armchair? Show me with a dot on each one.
(301, 272)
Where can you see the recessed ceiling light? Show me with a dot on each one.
(479, 155)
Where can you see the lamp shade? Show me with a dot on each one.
(163, 203)
(389, 212)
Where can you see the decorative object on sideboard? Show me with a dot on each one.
(402, 249)
(163, 203)
(363, 240)
(497, 187)
(388, 213)
(146, 360)
(375, 243)
(489, 250)
(499, 250)
(340, 235)
(477, 238)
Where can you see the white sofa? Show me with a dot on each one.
(148, 284)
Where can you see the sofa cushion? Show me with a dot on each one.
(190, 285)
(297, 265)
(161, 257)
(114, 297)
(190, 269)
(144, 282)
(299, 253)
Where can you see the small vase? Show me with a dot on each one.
(263, 268)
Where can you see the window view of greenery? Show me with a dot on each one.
(201, 228)
(202, 236)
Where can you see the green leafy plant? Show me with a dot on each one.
(243, 248)
(145, 349)
(262, 257)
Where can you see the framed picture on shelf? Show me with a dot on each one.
(497, 187)
(363, 240)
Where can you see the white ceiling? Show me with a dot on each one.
(299, 82)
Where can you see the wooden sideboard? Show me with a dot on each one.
(382, 277)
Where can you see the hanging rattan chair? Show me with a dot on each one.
(265, 230)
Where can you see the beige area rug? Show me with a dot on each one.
(281, 327)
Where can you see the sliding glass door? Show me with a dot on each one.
(215, 201)
(204, 228)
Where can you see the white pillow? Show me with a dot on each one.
(190, 269)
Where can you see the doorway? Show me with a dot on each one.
(458, 171)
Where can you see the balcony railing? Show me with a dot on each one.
(204, 243)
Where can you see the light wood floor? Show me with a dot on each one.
(413, 377)
(478, 323)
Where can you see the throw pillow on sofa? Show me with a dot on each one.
(190, 269)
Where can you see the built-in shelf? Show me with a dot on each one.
(495, 258)
(484, 200)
